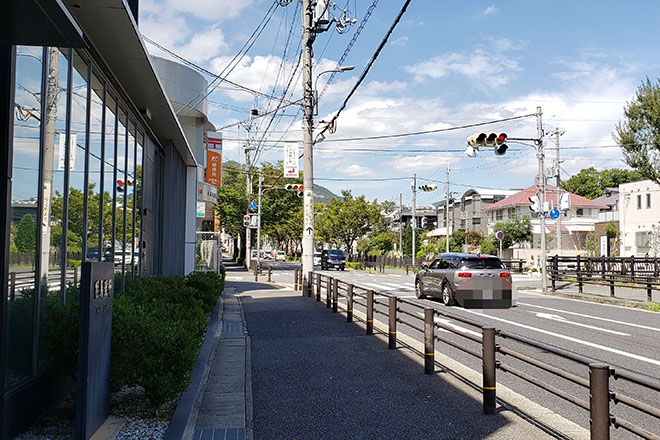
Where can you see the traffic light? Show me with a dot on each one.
(246, 220)
(428, 188)
(295, 187)
(536, 203)
(425, 222)
(496, 140)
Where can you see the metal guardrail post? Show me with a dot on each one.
(270, 274)
(488, 365)
(599, 401)
(349, 304)
(335, 295)
(370, 312)
(295, 280)
(391, 340)
(300, 279)
(328, 293)
(12, 289)
(555, 271)
(310, 283)
(520, 266)
(318, 287)
(579, 277)
(256, 273)
(649, 291)
(429, 341)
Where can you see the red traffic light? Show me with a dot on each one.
(501, 138)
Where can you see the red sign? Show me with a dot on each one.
(214, 159)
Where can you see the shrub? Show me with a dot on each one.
(208, 287)
(354, 265)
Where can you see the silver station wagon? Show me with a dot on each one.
(472, 281)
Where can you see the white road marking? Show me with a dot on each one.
(645, 327)
(565, 321)
(378, 286)
(570, 338)
(449, 323)
(230, 278)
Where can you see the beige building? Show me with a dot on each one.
(639, 205)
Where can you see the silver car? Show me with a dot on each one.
(472, 281)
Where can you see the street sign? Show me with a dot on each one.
(201, 209)
(291, 158)
(554, 213)
(251, 221)
(499, 235)
(253, 205)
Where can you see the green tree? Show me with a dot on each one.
(377, 244)
(473, 238)
(590, 244)
(639, 133)
(407, 242)
(586, 183)
(345, 220)
(490, 245)
(516, 230)
(26, 235)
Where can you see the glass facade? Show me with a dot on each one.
(76, 195)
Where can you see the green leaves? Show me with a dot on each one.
(591, 183)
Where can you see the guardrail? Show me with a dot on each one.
(490, 347)
(22, 280)
(632, 272)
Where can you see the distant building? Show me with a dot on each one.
(639, 205)
(610, 214)
(576, 223)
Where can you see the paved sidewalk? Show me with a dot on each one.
(284, 367)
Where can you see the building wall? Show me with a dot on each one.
(639, 203)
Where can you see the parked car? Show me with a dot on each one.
(472, 281)
(126, 256)
(333, 259)
(280, 256)
(317, 258)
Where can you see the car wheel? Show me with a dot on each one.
(447, 295)
(342, 268)
(418, 290)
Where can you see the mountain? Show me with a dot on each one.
(323, 194)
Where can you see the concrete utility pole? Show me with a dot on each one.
(414, 216)
(541, 186)
(400, 225)
(248, 191)
(308, 131)
(558, 133)
(261, 181)
(447, 214)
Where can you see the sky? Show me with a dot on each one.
(447, 64)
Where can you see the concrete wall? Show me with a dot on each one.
(637, 220)
(174, 207)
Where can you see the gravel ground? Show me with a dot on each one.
(142, 422)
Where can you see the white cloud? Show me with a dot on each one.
(210, 10)
(422, 162)
(356, 170)
(402, 41)
(490, 10)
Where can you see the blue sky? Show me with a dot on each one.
(447, 64)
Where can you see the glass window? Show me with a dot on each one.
(130, 247)
(109, 186)
(24, 215)
(482, 263)
(76, 165)
(642, 239)
(579, 212)
(119, 244)
(93, 246)
(499, 215)
(639, 201)
(648, 201)
(434, 264)
(137, 255)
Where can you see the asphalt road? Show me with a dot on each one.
(618, 336)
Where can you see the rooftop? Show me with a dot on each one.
(521, 198)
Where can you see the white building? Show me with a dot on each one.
(639, 205)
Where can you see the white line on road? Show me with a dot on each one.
(645, 327)
(566, 321)
(456, 327)
(379, 286)
(569, 338)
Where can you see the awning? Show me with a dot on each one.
(40, 23)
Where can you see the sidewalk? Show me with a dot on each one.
(284, 367)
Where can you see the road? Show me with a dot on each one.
(618, 336)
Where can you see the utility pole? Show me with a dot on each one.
(261, 181)
(541, 186)
(400, 225)
(558, 133)
(414, 216)
(308, 131)
(447, 214)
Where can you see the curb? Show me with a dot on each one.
(590, 298)
(182, 425)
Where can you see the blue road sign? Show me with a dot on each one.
(499, 235)
(253, 205)
(554, 213)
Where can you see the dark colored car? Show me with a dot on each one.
(333, 259)
(472, 281)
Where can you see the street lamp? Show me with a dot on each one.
(316, 92)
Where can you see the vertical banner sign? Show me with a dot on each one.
(214, 159)
(291, 160)
(95, 335)
(201, 209)
(61, 152)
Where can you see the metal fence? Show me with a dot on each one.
(634, 272)
(492, 347)
(208, 251)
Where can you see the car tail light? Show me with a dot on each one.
(464, 275)
(504, 275)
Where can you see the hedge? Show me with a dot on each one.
(158, 325)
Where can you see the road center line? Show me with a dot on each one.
(645, 327)
(569, 338)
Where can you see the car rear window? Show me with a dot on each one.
(482, 263)
(336, 253)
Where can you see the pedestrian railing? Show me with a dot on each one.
(631, 272)
(491, 346)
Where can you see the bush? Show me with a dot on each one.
(208, 287)
(354, 265)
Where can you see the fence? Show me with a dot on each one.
(635, 272)
(208, 251)
(490, 347)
